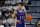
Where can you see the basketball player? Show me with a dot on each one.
(20, 14)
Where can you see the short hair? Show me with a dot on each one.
(20, 3)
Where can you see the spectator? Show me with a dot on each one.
(7, 7)
(1, 24)
(13, 2)
(7, 14)
(13, 25)
(10, 8)
(7, 2)
(25, 1)
(3, 6)
(4, 20)
(1, 14)
(4, 10)
(26, 7)
(19, 1)
(7, 24)
(9, 20)
(29, 3)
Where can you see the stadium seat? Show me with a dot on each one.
(33, 2)
(31, 9)
(35, 15)
(28, 25)
(38, 9)
(29, 13)
(38, 2)
(34, 21)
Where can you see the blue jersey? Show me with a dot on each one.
(20, 16)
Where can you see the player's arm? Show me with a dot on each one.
(25, 13)
(14, 14)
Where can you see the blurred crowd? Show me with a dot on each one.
(6, 17)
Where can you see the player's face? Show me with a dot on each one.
(19, 6)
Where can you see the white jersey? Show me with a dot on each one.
(13, 1)
(7, 2)
(10, 7)
(1, 26)
(19, 1)
(0, 13)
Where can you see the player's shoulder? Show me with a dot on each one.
(15, 12)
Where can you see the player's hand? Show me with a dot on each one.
(18, 21)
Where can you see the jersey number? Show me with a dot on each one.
(21, 17)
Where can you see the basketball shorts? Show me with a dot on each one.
(20, 25)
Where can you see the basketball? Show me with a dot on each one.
(28, 18)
